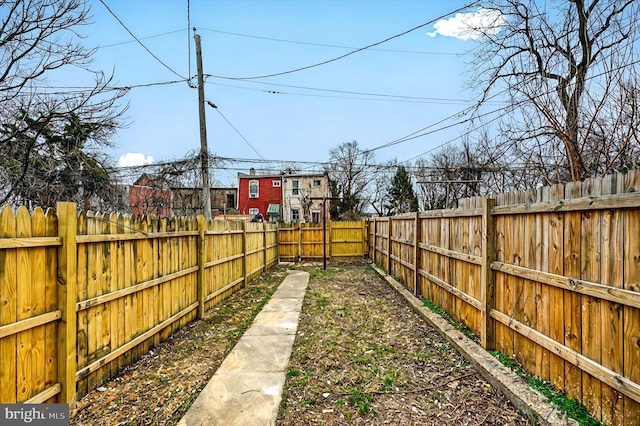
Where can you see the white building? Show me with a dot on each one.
(302, 196)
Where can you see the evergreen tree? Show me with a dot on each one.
(402, 198)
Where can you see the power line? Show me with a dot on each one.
(141, 38)
(372, 98)
(328, 45)
(84, 89)
(139, 42)
(212, 105)
(353, 51)
(349, 92)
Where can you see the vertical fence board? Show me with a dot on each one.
(8, 309)
(632, 315)
(51, 304)
(38, 283)
(612, 249)
(591, 308)
(556, 295)
(24, 297)
(572, 300)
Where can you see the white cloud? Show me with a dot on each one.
(134, 159)
(465, 26)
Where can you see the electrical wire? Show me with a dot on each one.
(328, 45)
(349, 92)
(353, 51)
(85, 89)
(140, 43)
(212, 105)
(141, 38)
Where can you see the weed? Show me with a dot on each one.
(571, 407)
(420, 356)
(293, 373)
(340, 402)
(361, 401)
(388, 384)
(369, 267)
(310, 402)
(442, 348)
(322, 301)
(444, 314)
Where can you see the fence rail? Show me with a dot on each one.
(549, 277)
(81, 296)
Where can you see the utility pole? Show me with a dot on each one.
(204, 149)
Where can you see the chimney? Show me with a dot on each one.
(252, 172)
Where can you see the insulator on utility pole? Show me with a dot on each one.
(204, 149)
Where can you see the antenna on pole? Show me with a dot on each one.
(204, 149)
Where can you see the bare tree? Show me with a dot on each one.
(37, 124)
(457, 171)
(350, 171)
(566, 66)
(379, 187)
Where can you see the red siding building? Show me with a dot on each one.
(260, 194)
(147, 198)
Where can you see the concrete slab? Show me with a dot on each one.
(237, 399)
(270, 323)
(290, 292)
(247, 388)
(283, 305)
(259, 353)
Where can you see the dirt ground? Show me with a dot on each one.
(361, 356)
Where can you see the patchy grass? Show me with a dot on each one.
(571, 407)
(362, 356)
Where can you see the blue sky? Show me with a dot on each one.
(423, 73)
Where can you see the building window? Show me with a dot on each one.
(253, 189)
(295, 215)
(295, 187)
(276, 183)
(253, 212)
(231, 201)
(317, 182)
(315, 217)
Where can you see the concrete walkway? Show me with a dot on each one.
(247, 388)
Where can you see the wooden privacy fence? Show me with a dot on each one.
(342, 240)
(550, 278)
(83, 296)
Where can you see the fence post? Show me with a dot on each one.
(201, 260)
(416, 254)
(487, 285)
(375, 244)
(244, 254)
(365, 238)
(264, 245)
(67, 293)
(389, 248)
